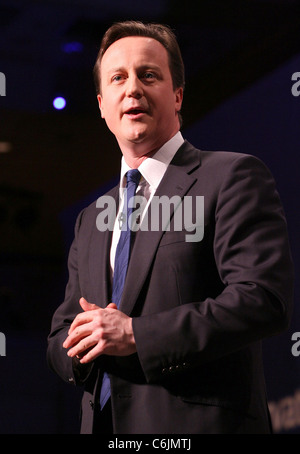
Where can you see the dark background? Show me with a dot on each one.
(239, 57)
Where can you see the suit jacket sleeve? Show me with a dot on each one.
(252, 256)
(70, 370)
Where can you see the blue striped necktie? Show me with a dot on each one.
(121, 259)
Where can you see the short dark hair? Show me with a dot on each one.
(162, 33)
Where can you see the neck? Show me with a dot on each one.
(135, 153)
(134, 159)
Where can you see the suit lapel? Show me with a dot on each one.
(99, 257)
(177, 180)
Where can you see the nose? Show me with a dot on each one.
(134, 87)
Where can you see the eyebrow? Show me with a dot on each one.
(113, 70)
(140, 68)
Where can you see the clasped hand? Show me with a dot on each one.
(98, 331)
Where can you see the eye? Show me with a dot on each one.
(116, 78)
(149, 75)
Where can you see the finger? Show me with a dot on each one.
(82, 347)
(91, 354)
(80, 319)
(112, 306)
(78, 333)
(86, 306)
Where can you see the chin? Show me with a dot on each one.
(137, 136)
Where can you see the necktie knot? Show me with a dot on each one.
(133, 176)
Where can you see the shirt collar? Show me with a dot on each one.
(153, 168)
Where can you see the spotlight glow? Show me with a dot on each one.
(72, 47)
(59, 103)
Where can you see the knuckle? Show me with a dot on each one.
(98, 318)
(100, 333)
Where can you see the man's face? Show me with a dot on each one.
(137, 97)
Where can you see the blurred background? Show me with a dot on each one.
(57, 155)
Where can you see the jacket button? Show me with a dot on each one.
(165, 370)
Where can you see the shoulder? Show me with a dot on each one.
(229, 173)
(87, 216)
(222, 162)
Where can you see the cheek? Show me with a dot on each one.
(166, 108)
(166, 102)
(112, 121)
(110, 111)
(109, 103)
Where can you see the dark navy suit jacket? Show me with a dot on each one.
(200, 308)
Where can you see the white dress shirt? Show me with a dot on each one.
(152, 171)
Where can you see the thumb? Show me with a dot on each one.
(112, 306)
(87, 306)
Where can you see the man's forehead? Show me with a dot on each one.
(134, 45)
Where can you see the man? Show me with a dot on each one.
(182, 351)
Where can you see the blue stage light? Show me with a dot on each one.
(72, 47)
(59, 103)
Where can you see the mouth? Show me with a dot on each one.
(135, 112)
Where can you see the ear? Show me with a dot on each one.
(100, 104)
(178, 98)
